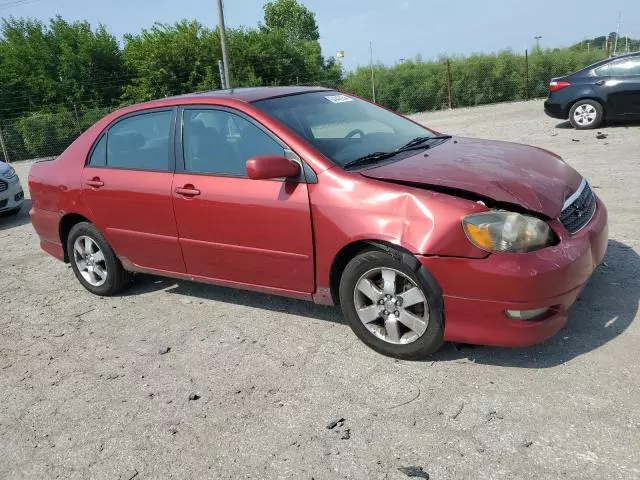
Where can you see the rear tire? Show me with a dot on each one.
(586, 114)
(415, 293)
(93, 261)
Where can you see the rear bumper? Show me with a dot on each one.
(556, 110)
(47, 225)
(13, 197)
(477, 292)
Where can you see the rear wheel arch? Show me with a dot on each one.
(66, 224)
(588, 97)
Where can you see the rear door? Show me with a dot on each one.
(232, 228)
(127, 187)
(619, 82)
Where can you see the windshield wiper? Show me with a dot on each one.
(418, 142)
(415, 144)
(370, 158)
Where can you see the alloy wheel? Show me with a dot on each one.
(585, 114)
(90, 261)
(391, 306)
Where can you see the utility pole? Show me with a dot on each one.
(526, 74)
(373, 77)
(538, 37)
(223, 43)
(615, 43)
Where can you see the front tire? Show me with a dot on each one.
(586, 114)
(93, 261)
(393, 304)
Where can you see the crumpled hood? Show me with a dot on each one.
(533, 178)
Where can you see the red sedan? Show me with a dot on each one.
(313, 194)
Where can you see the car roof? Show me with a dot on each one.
(251, 94)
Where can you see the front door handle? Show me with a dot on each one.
(600, 83)
(188, 191)
(95, 182)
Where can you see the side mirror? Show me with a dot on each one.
(264, 167)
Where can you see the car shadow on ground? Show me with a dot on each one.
(566, 125)
(604, 310)
(149, 283)
(8, 221)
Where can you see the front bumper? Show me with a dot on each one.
(13, 197)
(477, 292)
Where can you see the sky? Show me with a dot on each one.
(397, 28)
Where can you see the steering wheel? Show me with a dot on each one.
(353, 132)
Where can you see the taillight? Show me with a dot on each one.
(555, 86)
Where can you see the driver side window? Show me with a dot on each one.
(219, 142)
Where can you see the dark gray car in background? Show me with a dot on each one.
(607, 90)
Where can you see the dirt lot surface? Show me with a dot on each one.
(86, 393)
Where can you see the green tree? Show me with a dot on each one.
(171, 59)
(298, 22)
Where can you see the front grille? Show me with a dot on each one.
(578, 213)
(3, 185)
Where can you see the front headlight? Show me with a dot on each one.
(501, 231)
(10, 173)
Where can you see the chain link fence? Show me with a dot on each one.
(408, 87)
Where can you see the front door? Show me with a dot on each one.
(127, 186)
(619, 82)
(231, 228)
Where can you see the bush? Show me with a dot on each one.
(416, 86)
(45, 134)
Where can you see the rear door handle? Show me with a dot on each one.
(95, 182)
(187, 191)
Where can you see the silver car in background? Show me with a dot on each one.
(11, 194)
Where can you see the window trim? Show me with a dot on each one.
(171, 160)
(179, 144)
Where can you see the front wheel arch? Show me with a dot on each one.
(351, 250)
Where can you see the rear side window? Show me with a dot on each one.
(99, 154)
(140, 142)
(220, 142)
(622, 67)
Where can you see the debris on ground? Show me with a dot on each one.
(458, 412)
(416, 472)
(575, 140)
(194, 396)
(493, 415)
(336, 423)
(527, 443)
(162, 350)
(601, 136)
(346, 435)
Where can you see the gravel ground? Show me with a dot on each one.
(87, 392)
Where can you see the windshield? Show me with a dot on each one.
(343, 128)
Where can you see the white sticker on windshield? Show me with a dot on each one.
(338, 98)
